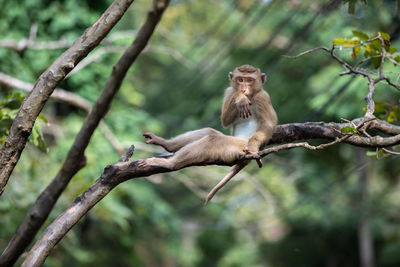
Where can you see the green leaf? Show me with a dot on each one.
(362, 36)
(396, 112)
(377, 154)
(397, 59)
(382, 106)
(385, 36)
(356, 52)
(391, 117)
(339, 41)
(349, 129)
(42, 118)
(38, 139)
(346, 42)
(376, 45)
(392, 50)
(376, 62)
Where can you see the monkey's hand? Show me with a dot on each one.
(243, 105)
(252, 155)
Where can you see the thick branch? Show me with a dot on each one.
(47, 82)
(49, 196)
(122, 171)
(318, 130)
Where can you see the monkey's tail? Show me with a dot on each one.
(238, 167)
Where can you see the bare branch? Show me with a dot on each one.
(308, 52)
(383, 54)
(368, 98)
(58, 94)
(31, 43)
(127, 155)
(391, 152)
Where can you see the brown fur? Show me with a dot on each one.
(260, 101)
(207, 145)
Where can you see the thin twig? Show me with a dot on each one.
(307, 52)
(391, 152)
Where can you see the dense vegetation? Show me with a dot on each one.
(303, 208)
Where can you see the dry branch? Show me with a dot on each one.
(126, 170)
(75, 159)
(58, 94)
(47, 82)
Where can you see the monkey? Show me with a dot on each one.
(247, 108)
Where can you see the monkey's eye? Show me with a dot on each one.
(240, 79)
(249, 80)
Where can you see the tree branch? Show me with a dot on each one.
(64, 96)
(44, 204)
(47, 82)
(58, 94)
(356, 70)
(123, 171)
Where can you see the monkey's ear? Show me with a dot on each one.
(263, 77)
(230, 75)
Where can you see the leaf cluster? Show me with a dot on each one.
(8, 110)
(369, 46)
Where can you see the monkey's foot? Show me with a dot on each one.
(159, 162)
(253, 155)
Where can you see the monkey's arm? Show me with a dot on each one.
(229, 110)
(266, 119)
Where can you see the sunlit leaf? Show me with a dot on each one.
(339, 41)
(42, 118)
(356, 52)
(362, 36)
(346, 42)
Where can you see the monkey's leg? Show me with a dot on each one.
(176, 143)
(207, 149)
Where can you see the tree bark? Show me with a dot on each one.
(47, 82)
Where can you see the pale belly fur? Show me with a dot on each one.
(244, 128)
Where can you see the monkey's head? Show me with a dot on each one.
(247, 79)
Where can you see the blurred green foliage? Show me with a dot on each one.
(301, 209)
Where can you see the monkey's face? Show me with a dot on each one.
(245, 83)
